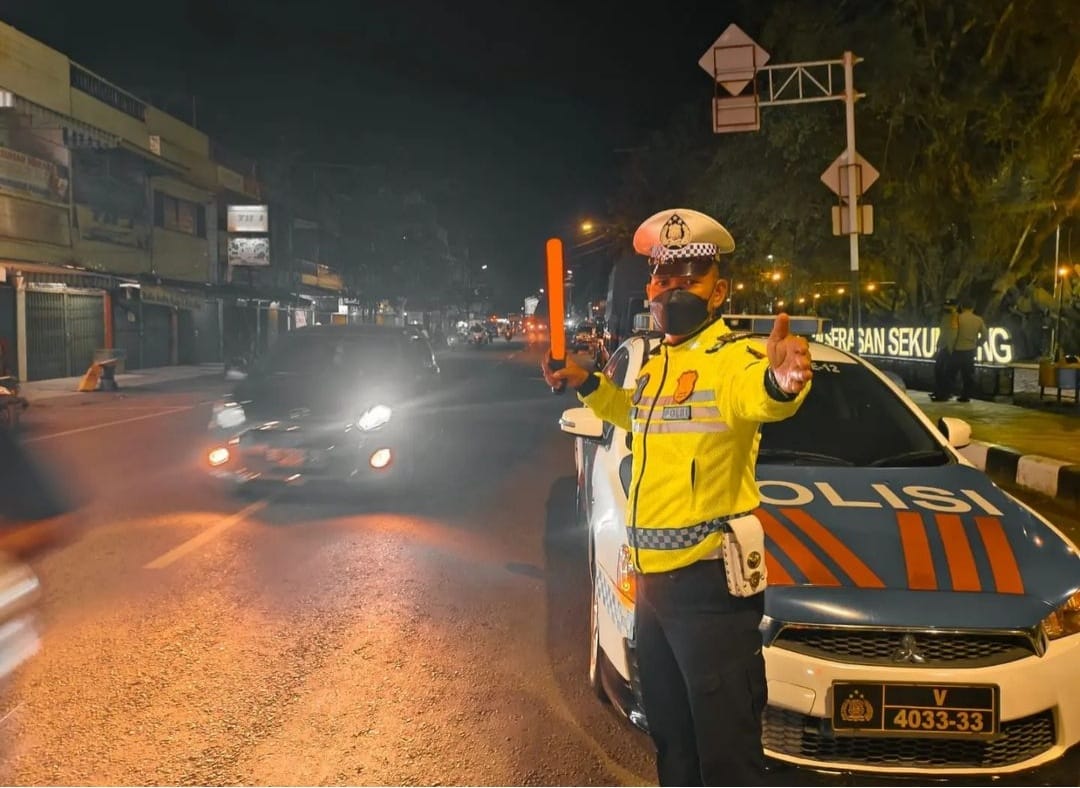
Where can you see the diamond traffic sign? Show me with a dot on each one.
(733, 59)
(836, 175)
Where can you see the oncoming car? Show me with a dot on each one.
(328, 403)
(919, 621)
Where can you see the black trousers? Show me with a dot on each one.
(702, 676)
(942, 376)
(963, 360)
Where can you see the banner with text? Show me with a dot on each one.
(914, 342)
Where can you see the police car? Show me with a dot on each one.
(919, 621)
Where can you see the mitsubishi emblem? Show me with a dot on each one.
(908, 651)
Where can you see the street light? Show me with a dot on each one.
(483, 267)
(1063, 273)
(587, 226)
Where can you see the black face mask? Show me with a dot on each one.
(679, 312)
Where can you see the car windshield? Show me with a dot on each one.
(301, 354)
(850, 418)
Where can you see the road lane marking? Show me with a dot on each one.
(77, 430)
(209, 534)
(17, 707)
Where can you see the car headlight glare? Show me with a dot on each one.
(1065, 620)
(228, 415)
(375, 416)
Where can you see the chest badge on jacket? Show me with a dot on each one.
(685, 386)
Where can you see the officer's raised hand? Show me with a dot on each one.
(789, 357)
(573, 373)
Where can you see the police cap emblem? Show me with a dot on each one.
(675, 233)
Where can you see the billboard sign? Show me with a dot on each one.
(248, 219)
(249, 251)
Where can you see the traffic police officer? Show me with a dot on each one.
(694, 417)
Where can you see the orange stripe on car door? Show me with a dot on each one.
(965, 577)
(862, 575)
(817, 574)
(917, 558)
(1007, 577)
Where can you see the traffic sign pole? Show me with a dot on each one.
(853, 197)
(734, 61)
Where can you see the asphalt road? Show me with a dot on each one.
(194, 638)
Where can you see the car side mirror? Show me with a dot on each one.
(956, 431)
(582, 423)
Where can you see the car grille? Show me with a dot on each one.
(311, 436)
(938, 649)
(791, 733)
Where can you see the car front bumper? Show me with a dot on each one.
(345, 459)
(1039, 709)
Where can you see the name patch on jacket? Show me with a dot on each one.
(676, 413)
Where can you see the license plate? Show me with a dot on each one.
(289, 458)
(963, 711)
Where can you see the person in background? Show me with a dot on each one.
(943, 356)
(970, 333)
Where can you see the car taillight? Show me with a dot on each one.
(626, 576)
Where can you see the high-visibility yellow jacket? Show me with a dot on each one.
(694, 419)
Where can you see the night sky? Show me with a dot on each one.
(526, 105)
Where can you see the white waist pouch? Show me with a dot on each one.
(744, 556)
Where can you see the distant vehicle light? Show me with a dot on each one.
(380, 459)
(218, 456)
(375, 416)
(228, 415)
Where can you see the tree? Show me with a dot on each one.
(970, 115)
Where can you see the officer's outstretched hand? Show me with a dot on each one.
(572, 373)
(789, 357)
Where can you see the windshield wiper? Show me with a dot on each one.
(810, 457)
(912, 459)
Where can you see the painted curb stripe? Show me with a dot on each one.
(1056, 478)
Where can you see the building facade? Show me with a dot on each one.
(112, 225)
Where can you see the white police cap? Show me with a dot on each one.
(680, 233)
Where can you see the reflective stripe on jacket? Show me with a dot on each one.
(694, 419)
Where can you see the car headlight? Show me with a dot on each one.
(228, 415)
(375, 416)
(1065, 620)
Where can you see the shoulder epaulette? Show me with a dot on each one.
(727, 339)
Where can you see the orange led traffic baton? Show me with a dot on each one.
(556, 308)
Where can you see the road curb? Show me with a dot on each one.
(1058, 479)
